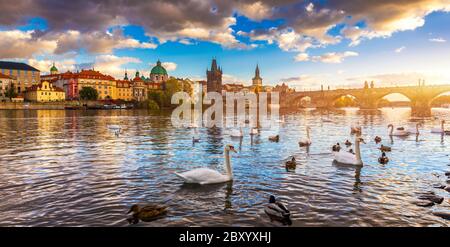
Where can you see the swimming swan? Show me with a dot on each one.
(398, 132)
(348, 158)
(204, 176)
(305, 142)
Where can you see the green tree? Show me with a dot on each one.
(152, 105)
(10, 93)
(88, 93)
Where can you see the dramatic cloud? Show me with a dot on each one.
(305, 24)
(21, 44)
(26, 44)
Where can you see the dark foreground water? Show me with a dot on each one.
(65, 168)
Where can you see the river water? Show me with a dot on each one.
(65, 168)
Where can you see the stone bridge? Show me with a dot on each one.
(421, 97)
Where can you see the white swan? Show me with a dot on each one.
(254, 131)
(347, 158)
(208, 176)
(398, 131)
(305, 142)
(415, 130)
(237, 133)
(439, 130)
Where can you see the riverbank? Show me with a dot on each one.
(67, 105)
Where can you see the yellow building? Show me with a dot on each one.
(25, 75)
(45, 92)
(124, 90)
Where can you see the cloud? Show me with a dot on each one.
(302, 57)
(26, 44)
(113, 65)
(438, 40)
(23, 44)
(305, 24)
(399, 50)
(331, 57)
(44, 65)
(169, 66)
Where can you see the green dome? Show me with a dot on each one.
(158, 69)
(53, 69)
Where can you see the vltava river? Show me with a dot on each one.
(65, 168)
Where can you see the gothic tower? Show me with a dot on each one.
(257, 80)
(214, 78)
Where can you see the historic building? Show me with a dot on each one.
(25, 75)
(45, 92)
(214, 78)
(54, 70)
(159, 74)
(139, 88)
(124, 90)
(257, 80)
(6, 82)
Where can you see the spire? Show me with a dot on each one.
(126, 75)
(214, 65)
(158, 63)
(257, 71)
(137, 73)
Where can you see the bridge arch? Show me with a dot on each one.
(436, 96)
(401, 96)
(335, 99)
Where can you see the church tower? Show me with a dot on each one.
(257, 80)
(214, 78)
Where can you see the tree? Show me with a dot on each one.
(10, 93)
(88, 93)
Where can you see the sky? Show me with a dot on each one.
(305, 44)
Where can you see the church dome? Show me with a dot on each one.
(53, 68)
(159, 69)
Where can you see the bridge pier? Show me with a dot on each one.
(420, 108)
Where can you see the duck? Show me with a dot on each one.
(237, 133)
(195, 137)
(377, 139)
(204, 176)
(336, 148)
(274, 138)
(348, 158)
(291, 164)
(348, 143)
(254, 131)
(398, 132)
(278, 211)
(385, 148)
(383, 159)
(306, 142)
(439, 130)
(415, 130)
(146, 213)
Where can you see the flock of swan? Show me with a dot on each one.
(274, 209)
